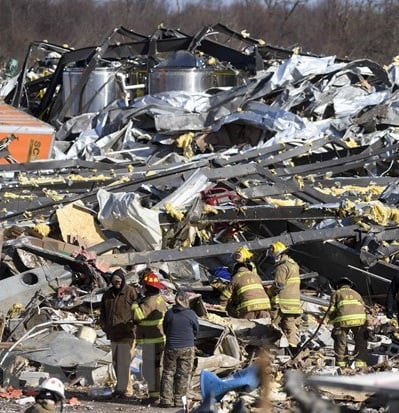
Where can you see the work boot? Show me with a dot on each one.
(150, 401)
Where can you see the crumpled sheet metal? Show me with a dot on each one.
(21, 287)
(336, 89)
(184, 195)
(123, 212)
(54, 349)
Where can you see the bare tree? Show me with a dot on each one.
(352, 28)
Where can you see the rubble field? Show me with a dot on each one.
(169, 152)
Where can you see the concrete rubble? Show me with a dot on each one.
(187, 150)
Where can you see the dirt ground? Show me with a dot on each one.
(95, 405)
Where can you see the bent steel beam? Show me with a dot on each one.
(220, 249)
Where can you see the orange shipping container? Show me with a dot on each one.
(29, 138)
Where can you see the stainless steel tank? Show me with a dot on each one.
(187, 79)
(185, 71)
(181, 70)
(101, 88)
(226, 78)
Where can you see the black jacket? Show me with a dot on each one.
(181, 327)
(392, 304)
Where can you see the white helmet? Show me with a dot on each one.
(55, 385)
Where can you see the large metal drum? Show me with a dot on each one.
(226, 78)
(101, 88)
(187, 79)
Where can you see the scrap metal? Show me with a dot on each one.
(297, 147)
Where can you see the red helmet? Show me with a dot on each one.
(152, 280)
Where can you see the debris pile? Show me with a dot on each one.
(171, 151)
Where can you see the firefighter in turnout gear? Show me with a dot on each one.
(149, 315)
(246, 295)
(244, 255)
(347, 313)
(285, 295)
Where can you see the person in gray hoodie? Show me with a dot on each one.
(181, 328)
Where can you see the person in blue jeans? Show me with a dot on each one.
(181, 328)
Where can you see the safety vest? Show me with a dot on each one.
(149, 315)
(246, 292)
(286, 287)
(347, 308)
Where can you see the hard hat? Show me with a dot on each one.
(277, 248)
(152, 280)
(344, 281)
(242, 254)
(55, 385)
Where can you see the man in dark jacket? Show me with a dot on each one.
(181, 328)
(116, 320)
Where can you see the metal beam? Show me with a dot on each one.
(213, 250)
(260, 213)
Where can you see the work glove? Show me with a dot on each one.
(217, 285)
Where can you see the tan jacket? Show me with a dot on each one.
(149, 315)
(285, 292)
(347, 308)
(246, 292)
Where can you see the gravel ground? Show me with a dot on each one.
(90, 404)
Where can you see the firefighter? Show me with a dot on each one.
(243, 254)
(348, 313)
(246, 295)
(285, 295)
(149, 314)
(50, 394)
(221, 278)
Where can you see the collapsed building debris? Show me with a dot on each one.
(171, 151)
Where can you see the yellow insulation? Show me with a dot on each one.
(173, 212)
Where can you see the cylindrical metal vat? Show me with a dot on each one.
(187, 79)
(100, 89)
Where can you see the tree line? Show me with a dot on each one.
(350, 29)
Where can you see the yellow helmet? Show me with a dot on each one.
(242, 254)
(277, 248)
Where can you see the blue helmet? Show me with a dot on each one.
(223, 273)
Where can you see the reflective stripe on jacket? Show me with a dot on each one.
(286, 288)
(246, 291)
(347, 308)
(149, 315)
